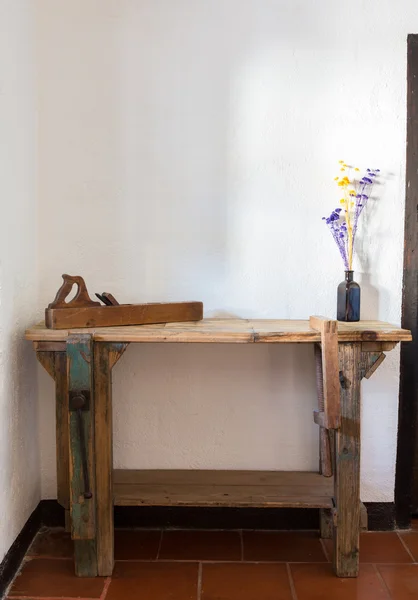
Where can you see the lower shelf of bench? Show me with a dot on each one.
(222, 488)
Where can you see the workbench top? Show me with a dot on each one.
(241, 331)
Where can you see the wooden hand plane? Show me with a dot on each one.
(81, 311)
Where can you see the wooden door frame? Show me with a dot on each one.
(406, 491)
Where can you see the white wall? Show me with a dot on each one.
(19, 450)
(187, 151)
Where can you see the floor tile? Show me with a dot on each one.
(154, 581)
(245, 581)
(402, 580)
(287, 546)
(54, 578)
(379, 547)
(318, 582)
(129, 544)
(410, 538)
(54, 543)
(201, 545)
(137, 545)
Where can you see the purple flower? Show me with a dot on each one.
(337, 219)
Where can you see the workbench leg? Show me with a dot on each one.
(82, 468)
(347, 465)
(53, 357)
(104, 456)
(325, 463)
(67, 521)
(62, 439)
(325, 523)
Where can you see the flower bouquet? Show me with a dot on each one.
(343, 222)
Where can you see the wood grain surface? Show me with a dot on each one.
(243, 331)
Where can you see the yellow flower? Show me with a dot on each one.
(341, 162)
(344, 182)
(352, 193)
(342, 201)
(336, 178)
(344, 165)
(357, 169)
(342, 169)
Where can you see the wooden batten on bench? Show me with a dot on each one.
(328, 387)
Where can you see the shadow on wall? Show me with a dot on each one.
(370, 245)
(166, 153)
(212, 143)
(213, 406)
(209, 120)
(180, 145)
(180, 169)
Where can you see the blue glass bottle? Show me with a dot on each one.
(348, 299)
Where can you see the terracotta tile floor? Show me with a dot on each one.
(222, 565)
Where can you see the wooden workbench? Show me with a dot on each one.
(81, 362)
